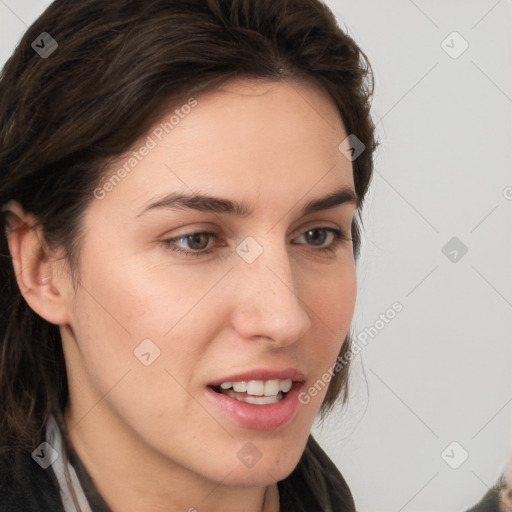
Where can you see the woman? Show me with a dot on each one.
(181, 184)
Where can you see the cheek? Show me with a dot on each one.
(128, 312)
(331, 302)
(122, 303)
(115, 309)
(332, 308)
(135, 298)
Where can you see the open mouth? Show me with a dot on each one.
(257, 404)
(255, 392)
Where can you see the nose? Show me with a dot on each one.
(267, 298)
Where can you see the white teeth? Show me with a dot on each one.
(259, 387)
(261, 400)
(241, 387)
(285, 385)
(255, 400)
(255, 387)
(271, 387)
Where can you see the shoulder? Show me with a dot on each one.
(25, 486)
(315, 485)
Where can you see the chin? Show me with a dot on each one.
(264, 472)
(243, 477)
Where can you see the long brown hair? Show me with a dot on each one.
(118, 66)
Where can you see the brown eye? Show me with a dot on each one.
(197, 243)
(313, 236)
(319, 235)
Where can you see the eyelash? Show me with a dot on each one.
(339, 237)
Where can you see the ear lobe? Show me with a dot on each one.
(34, 268)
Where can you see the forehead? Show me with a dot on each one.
(275, 139)
(267, 105)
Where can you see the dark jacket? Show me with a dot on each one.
(27, 487)
(491, 501)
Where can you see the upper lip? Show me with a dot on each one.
(262, 374)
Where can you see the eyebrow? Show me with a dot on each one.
(206, 203)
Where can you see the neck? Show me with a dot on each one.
(130, 477)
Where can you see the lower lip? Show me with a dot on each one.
(259, 417)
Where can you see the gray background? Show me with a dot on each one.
(440, 371)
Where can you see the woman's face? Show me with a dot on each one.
(151, 328)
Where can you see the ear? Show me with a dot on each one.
(43, 281)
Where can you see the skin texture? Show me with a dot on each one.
(147, 434)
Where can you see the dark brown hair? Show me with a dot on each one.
(119, 66)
